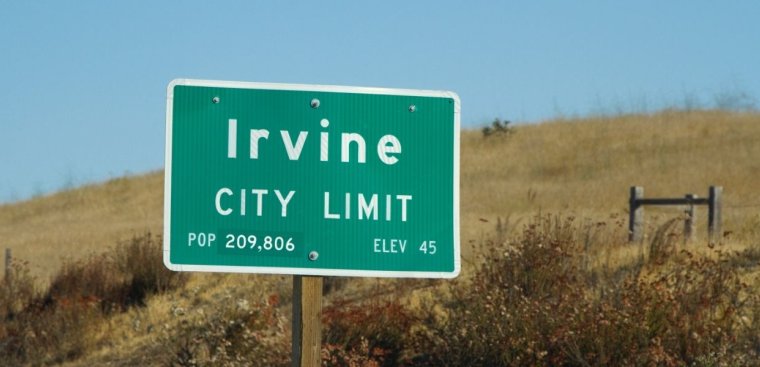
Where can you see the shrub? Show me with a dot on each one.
(235, 333)
(36, 330)
(17, 290)
(91, 280)
(352, 356)
(117, 281)
(532, 303)
(54, 326)
(140, 261)
(45, 335)
(498, 128)
(365, 334)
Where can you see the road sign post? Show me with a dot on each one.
(307, 321)
(311, 181)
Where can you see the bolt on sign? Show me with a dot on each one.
(311, 180)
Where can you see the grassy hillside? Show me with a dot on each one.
(580, 167)
(586, 167)
(577, 168)
(82, 221)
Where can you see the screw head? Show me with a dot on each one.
(412, 108)
(314, 103)
(313, 256)
(215, 100)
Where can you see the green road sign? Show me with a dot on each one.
(311, 180)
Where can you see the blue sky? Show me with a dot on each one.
(83, 84)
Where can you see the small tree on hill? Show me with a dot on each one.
(498, 128)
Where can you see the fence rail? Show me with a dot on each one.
(714, 202)
(677, 201)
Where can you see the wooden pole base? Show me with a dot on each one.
(307, 321)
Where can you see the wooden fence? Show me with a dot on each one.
(714, 202)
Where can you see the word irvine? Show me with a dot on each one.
(388, 144)
(249, 201)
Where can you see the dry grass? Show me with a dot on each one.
(59, 323)
(79, 222)
(543, 297)
(581, 169)
(586, 167)
(153, 335)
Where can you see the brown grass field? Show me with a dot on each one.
(579, 169)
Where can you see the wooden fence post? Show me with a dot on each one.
(689, 228)
(714, 223)
(714, 216)
(636, 215)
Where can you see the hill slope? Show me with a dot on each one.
(580, 167)
(82, 221)
(586, 167)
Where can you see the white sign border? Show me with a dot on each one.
(306, 271)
